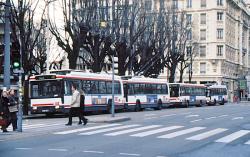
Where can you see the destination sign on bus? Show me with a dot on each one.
(45, 77)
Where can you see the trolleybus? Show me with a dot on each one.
(182, 94)
(141, 92)
(217, 94)
(52, 93)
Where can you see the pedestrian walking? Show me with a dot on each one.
(75, 105)
(5, 110)
(13, 108)
(82, 107)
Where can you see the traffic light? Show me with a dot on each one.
(15, 60)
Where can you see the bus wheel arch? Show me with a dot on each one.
(222, 102)
(214, 102)
(109, 106)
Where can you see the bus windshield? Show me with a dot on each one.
(45, 89)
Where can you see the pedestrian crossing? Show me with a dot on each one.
(222, 135)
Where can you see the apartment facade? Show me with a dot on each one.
(221, 29)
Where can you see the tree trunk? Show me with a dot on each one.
(172, 73)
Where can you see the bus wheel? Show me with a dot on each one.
(187, 104)
(125, 108)
(159, 105)
(201, 104)
(138, 106)
(109, 106)
(214, 102)
(223, 102)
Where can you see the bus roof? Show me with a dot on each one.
(188, 84)
(145, 80)
(76, 75)
(217, 86)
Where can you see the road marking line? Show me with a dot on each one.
(248, 142)
(151, 132)
(109, 129)
(207, 134)
(23, 148)
(25, 127)
(85, 129)
(225, 115)
(161, 156)
(182, 132)
(132, 130)
(150, 118)
(91, 151)
(236, 118)
(127, 154)
(150, 114)
(197, 120)
(233, 136)
(2, 140)
(186, 113)
(59, 150)
(193, 115)
(210, 118)
(168, 115)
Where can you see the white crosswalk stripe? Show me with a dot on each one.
(182, 132)
(151, 132)
(248, 142)
(109, 129)
(25, 127)
(207, 134)
(85, 129)
(132, 130)
(233, 136)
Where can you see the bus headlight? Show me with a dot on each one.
(34, 108)
(57, 107)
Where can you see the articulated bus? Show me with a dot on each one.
(217, 94)
(52, 93)
(143, 93)
(182, 94)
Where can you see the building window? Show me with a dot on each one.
(189, 3)
(203, 34)
(175, 4)
(202, 51)
(203, 3)
(189, 18)
(219, 33)
(202, 68)
(219, 2)
(203, 18)
(189, 35)
(219, 50)
(148, 5)
(219, 16)
(189, 51)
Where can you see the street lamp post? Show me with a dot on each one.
(113, 83)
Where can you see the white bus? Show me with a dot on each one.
(182, 94)
(52, 93)
(217, 94)
(141, 92)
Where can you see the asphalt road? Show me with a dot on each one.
(213, 131)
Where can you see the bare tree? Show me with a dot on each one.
(26, 31)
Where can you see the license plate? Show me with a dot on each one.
(45, 110)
